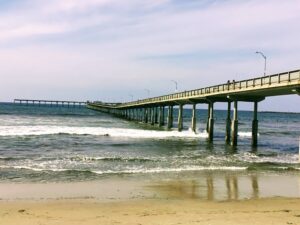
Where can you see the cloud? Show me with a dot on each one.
(112, 45)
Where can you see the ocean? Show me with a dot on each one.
(54, 144)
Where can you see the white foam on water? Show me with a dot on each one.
(22, 167)
(245, 134)
(100, 131)
(184, 169)
(281, 158)
(134, 170)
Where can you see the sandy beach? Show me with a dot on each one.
(201, 198)
(167, 212)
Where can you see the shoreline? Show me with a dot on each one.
(201, 185)
(222, 198)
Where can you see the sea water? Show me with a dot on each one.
(48, 143)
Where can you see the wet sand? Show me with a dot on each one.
(194, 198)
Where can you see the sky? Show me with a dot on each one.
(117, 50)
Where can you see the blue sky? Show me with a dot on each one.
(109, 50)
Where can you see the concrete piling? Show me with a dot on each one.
(180, 113)
(254, 126)
(146, 115)
(170, 117)
(156, 115)
(208, 115)
(194, 118)
(163, 116)
(234, 125)
(152, 116)
(160, 116)
(228, 123)
(211, 122)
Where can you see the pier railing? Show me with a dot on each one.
(48, 102)
(260, 82)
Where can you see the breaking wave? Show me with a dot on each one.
(98, 131)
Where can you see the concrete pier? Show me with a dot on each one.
(254, 126)
(180, 121)
(194, 118)
(151, 110)
(234, 124)
(228, 123)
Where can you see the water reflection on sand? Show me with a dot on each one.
(229, 186)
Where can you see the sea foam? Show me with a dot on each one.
(99, 131)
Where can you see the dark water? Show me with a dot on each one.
(69, 144)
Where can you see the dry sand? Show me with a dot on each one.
(134, 212)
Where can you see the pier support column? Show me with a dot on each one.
(126, 114)
(180, 122)
(149, 115)
(228, 123)
(211, 122)
(234, 125)
(160, 116)
(163, 116)
(194, 118)
(141, 113)
(170, 117)
(146, 115)
(208, 116)
(155, 115)
(152, 116)
(136, 114)
(254, 126)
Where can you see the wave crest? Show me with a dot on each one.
(98, 131)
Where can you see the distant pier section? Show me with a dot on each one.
(56, 103)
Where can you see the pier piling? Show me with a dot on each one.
(211, 122)
(254, 126)
(228, 123)
(180, 122)
(170, 117)
(234, 125)
(194, 118)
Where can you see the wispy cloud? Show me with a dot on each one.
(111, 44)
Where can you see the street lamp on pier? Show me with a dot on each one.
(265, 58)
(131, 97)
(148, 92)
(176, 85)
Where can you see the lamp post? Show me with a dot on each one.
(262, 54)
(176, 85)
(131, 97)
(148, 92)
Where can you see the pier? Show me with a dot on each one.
(151, 110)
(56, 103)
